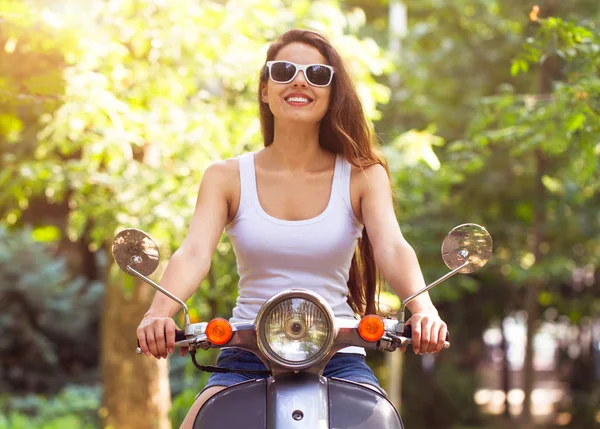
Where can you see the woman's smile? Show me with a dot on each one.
(298, 99)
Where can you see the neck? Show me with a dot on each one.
(296, 146)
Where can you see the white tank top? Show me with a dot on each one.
(274, 255)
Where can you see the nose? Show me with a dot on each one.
(300, 80)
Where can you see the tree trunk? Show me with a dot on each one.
(394, 363)
(532, 309)
(532, 306)
(549, 69)
(398, 28)
(505, 370)
(136, 387)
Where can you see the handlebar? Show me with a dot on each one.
(408, 333)
(179, 336)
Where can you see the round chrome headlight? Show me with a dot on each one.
(295, 329)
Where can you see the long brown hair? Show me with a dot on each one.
(344, 129)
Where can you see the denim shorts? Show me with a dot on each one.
(348, 366)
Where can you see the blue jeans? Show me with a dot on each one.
(348, 366)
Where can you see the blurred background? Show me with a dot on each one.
(488, 111)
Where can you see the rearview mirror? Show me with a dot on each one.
(467, 243)
(134, 248)
(137, 254)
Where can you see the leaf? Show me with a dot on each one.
(552, 184)
(518, 65)
(575, 122)
(47, 233)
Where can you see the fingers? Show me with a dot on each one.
(441, 338)
(142, 341)
(157, 336)
(151, 340)
(170, 328)
(420, 333)
(416, 333)
(424, 336)
(428, 333)
(434, 332)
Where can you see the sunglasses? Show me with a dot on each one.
(285, 72)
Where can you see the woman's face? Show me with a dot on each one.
(278, 95)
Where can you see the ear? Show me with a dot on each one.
(264, 95)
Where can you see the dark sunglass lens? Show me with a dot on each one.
(282, 72)
(318, 75)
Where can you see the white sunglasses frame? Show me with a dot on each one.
(300, 67)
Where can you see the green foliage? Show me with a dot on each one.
(496, 126)
(74, 407)
(45, 317)
(549, 139)
(115, 123)
(115, 111)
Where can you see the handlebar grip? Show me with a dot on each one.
(408, 333)
(179, 336)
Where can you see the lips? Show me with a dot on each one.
(298, 99)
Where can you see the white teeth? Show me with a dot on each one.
(298, 99)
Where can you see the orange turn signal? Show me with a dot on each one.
(371, 328)
(219, 331)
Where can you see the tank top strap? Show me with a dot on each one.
(248, 191)
(337, 184)
(344, 189)
(344, 185)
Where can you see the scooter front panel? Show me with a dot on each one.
(297, 401)
(348, 406)
(242, 405)
(354, 406)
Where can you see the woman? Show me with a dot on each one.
(295, 212)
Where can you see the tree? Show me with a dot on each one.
(457, 83)
(542, 146)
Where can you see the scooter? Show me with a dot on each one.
(295, 334)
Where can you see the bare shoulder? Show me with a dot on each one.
(224, 169)
(373, 177)
(222, 179)
(223, 174)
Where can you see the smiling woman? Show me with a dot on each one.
(297, 213)
(299, 77)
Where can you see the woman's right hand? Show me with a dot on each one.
(156, 335)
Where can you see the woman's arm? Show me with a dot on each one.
(189, 265)
(397, 260)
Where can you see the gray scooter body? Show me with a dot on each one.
(298, 401)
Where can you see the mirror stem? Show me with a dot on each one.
(400, 326)
(166, 292)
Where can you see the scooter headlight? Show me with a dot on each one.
(295, 329)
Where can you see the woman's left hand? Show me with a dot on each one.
(428, 332)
